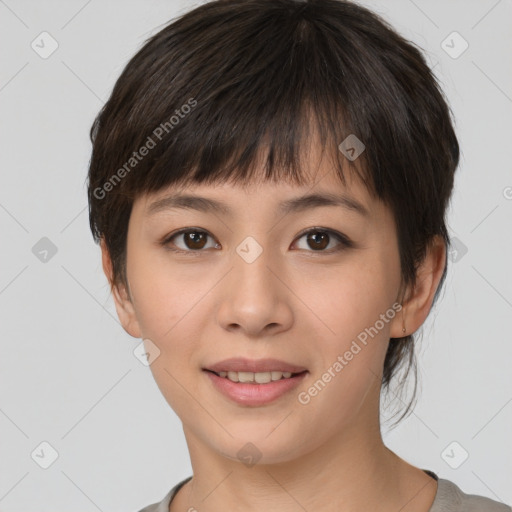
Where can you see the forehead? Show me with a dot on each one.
(229, 200)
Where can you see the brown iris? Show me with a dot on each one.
(195, 239)
(319, 240)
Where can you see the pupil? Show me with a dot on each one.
(193, 238)
(323, 237)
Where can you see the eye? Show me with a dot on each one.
(191, 239)
(319, 239)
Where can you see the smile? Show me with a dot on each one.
(257, 378)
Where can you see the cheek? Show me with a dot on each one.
(165, 298)
(171, 309)
(354, 339)
(350, 298)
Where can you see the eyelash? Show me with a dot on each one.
(345, 243)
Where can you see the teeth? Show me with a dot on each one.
(258, 378)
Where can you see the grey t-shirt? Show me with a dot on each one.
(449, 498)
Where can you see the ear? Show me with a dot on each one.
(418, 299)
(122, 299)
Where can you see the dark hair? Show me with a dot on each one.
(231, 78)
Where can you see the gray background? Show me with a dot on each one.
(68, 373)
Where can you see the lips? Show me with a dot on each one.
(254, 394)
(240, 364)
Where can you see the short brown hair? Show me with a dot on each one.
(253, 73)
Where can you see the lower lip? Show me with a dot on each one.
(254, 394)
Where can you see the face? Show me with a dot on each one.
(312, 284)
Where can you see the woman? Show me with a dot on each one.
(269, 183)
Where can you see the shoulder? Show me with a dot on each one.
(163, 505)
(450, 498)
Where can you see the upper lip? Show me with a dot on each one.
(241, 364)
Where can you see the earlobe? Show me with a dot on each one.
(419, 298)
(122, 300)
(399, 328)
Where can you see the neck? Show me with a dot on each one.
(352, 470)
(352, 477)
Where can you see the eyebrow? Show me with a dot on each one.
(297, 204)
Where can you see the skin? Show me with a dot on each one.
(294, 303)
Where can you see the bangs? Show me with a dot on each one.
(247, 149)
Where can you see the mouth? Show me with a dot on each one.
(255, 382)
(256, 377)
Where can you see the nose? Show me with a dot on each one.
(254, 298)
